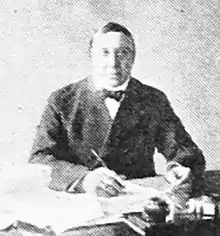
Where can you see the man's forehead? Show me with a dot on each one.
(112, 40)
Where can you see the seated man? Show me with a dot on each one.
(111, 119)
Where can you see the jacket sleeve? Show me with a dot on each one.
(176, 145)
(50, 148)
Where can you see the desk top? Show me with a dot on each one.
(212, 182)
(212, 185)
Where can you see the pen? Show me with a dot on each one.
(73, 186)
(99, 159)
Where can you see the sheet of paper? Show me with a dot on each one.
(24, 196)
(60, 214)
(132, 199)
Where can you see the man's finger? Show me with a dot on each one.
(112, 191)
(111, 186)
(118, 181)
(109, 181)
(107, 190)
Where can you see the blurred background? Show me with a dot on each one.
(44, 46)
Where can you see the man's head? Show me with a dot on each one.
(112, 52)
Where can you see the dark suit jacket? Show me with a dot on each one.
(71, 123)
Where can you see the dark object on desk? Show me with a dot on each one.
(156, 210)
(196, 228)
(202, 225)
(20, 228)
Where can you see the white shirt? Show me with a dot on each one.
(112, 104)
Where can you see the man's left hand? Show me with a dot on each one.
(177, 174)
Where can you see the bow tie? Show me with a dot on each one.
(117, 95)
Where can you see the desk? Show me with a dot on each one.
(157, 182)
(212, 185)
(212, 180)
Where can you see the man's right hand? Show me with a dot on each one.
(102, 182)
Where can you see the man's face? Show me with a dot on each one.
(112, 59)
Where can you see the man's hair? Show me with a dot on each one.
(114, 27)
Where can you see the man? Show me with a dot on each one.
(111, 119)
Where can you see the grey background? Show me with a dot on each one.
(43, 46)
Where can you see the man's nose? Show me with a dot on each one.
(113, 60)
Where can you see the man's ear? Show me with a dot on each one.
(133, 58)
(90, 47)
(90, 52)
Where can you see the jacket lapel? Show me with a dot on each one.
(128, 116)
(96, 125)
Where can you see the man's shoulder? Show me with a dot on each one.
(149, 92)
(69, 91)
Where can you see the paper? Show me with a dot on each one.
(132, 199)
(24, 196)
(25, 180)
(61, 214)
